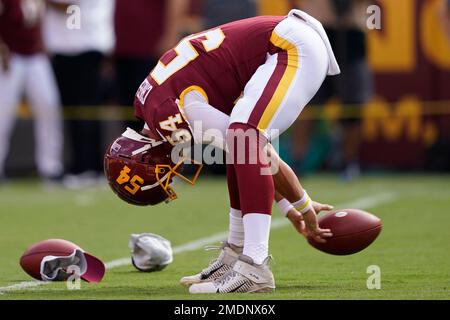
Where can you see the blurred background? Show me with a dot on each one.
(69, 74)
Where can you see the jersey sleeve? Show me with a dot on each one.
(171, 123)
(165, 120)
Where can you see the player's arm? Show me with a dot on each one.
(295, 202)
(444, 17)
(293, 215)
(4, 50)
(288, 186)
(4, 56)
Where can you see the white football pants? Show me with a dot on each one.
(32, 76)
(272, 106)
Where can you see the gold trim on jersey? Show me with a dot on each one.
(285, 82)
(189, 89)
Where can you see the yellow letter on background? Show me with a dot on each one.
(271, 7)
(392, 48)
(434, 43)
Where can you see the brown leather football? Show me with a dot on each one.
(353, 230)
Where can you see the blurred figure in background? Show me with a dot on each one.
(345, 23)
(24, 68)
(218, 12)
(78, 52)
(144, 30)
(444, 16)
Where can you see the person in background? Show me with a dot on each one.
(217, 12)
(444, 17)
(25, 68)
(77, 55)
(345, 24)
(144, 30)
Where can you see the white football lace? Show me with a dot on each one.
(209, 248)
(213, 265)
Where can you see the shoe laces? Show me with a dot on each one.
(214, 263)
(210, 248)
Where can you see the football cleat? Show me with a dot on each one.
(245, 277)
(218, 267)
(140, 170)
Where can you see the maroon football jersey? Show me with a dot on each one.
(220, 61)
(20, 25)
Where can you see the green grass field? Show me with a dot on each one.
(413, 250)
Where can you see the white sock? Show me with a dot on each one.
(236, 228)
(256, 230)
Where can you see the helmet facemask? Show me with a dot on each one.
(165, 173)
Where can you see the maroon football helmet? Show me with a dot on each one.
(139, 169)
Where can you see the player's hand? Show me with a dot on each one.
(313, 229)
(318, 207)
(4, 57)
(297, 221)
(308, 229)
(307, 224)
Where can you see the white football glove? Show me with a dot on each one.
(150, 252)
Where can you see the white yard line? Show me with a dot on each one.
(361, 203)
(22, 286)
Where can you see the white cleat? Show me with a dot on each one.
(245, 276)
(218, 267)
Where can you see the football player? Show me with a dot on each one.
(25, 69)
(237, 86)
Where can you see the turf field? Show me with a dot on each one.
(413, 250)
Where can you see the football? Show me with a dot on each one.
(31, 259)
(353, 230)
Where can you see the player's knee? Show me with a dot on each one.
(245, 144)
